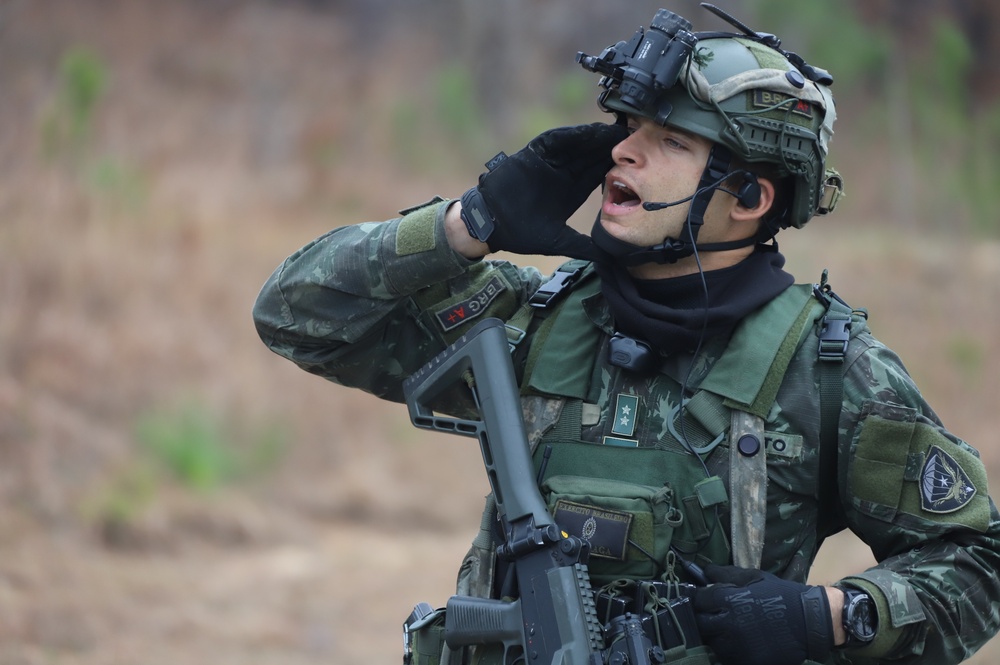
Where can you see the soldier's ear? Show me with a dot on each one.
(753, 200)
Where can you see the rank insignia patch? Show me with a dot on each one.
(944, 485)
(625, 414)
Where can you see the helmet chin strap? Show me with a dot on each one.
(673, 249)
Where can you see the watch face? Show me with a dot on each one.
(861, 618)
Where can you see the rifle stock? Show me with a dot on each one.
(554, 620)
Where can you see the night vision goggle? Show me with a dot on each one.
(652, 61)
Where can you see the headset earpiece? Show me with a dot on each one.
(748, 194)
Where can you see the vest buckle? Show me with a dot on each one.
(549, 292)
(834, 335)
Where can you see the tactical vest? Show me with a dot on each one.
(639, 506)
(657, 497)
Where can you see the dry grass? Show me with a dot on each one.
(110, 311)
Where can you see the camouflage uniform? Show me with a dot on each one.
(366, 305)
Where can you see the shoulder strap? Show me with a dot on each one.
(748, 374)
(543, 300)
(562, 340)
(834, 335)
(534, 310)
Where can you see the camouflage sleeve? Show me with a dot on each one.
(918, 496)
(366, 305)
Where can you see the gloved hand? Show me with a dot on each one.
(522, 203)
(749, 617)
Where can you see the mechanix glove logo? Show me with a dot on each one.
(944, 485)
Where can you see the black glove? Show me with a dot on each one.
(749, 617)
(522, 203)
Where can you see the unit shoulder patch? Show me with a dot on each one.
(945, 487)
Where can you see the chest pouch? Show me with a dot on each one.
(669, 489)
(629, 526)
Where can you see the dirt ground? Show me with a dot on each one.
(127, 273)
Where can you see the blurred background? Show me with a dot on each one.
(170, 492)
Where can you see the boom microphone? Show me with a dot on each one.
(660, 205)
(748, 194)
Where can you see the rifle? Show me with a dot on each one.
(554, 619)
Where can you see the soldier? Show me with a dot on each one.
(691, 403)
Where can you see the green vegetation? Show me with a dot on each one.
(68, 126)
(186, 448)
(445, 121)
(920, 105)
(124, 499)
(120, 186)
(68, 129)
(197, 450)
(456, 107)
(574, 99)
(913, 105)
(442, 122)
(190, 446)
(829, 35)
(968, 356)
(956, 131)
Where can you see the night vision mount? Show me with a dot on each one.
(651, 61)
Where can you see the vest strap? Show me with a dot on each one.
(517, 326)
(569, 425)
(548, 294)
(834, 336)
(565, 367)
(707, 408)
(748, 488)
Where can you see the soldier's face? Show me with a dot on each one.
(654, 164)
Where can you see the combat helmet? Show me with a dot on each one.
(757, 103)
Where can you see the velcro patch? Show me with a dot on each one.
(764, 99)
(783, 444)
(620, 442)
(416, 232)
(945, 487)
(605, 530)
(458, 313)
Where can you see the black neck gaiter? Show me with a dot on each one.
(672, 315)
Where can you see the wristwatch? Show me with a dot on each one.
(860, 618)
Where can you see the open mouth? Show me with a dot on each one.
(622, 195)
